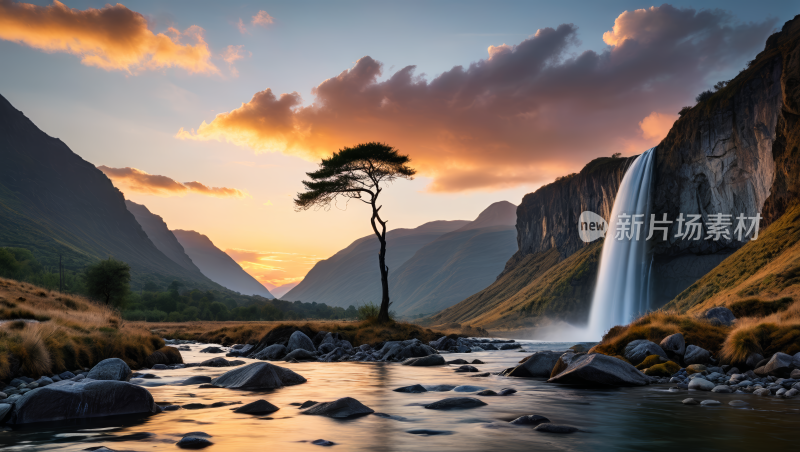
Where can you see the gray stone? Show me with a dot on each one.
(414, 389)
(507, 391)
(555, 428)
(212, 350)
(215, 362)
(780, 392)
(258, 376)
(598, 369)
(510, 346)
(539, 364)
(197, 380)
(690, 402)
(66, 375)
(104, 398)
(455, 403)
(531, 419)
(323, 442)
(467, 388)
(486, 392)
(701, 384)
(795, 374)
(299, 341)
(44, 381)
(458, 361)
(430, 360)
(753, 359)
(257, 407)
(272, 353)
(780, 365)
(722, 389)
(636, 351)
(193, 442)
(696, 355)
(300, 354)
(674, 345)
(5, 408)
(720, 316)
(467, 368)
(737, 403)
(791, 393)
(762, 392)
(343, 408)
(710, 403)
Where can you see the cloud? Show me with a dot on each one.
(231, 55)
(111, 38)
(656, 125)
(242, 28)
(527, 113)
(152, 184)
(262, 19)
(273, 268)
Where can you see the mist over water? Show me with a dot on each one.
(622, 290)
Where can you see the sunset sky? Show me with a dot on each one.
(210, 113)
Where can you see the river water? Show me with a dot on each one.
(647, 418)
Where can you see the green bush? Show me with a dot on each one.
(368, 311)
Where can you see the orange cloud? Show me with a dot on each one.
(262, 19)
(152, 184)
(273, 269)
(656, 126)
(242, 28)
(111, 38)
(524, 115)
(231, 55)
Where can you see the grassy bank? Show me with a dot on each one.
(43, 332)
(229, 333)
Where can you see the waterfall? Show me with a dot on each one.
(622, 290)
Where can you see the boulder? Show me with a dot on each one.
(753, 359)
(710, 403)
(780, 365)
(430, 360)
(467, 368)
(212, 350)
(165, 355)
(300, 354)
(196, 380)
(510, 346)
(563, 362)
(540, 365)
(722, 389)
(272, 353)
(674, 345)
(696, 355)
(720, 316)
(346, 407)
(555, 428)
(598, 369)
(215, 362)
(399, 351)
(193, 442)
(701, 384)
(458, 361)
(455, 403)
(96, 398)
(636, 351)
(414, 389)
(258, 376)
(257, 407)
(531, 419)
(486, 392)
(299, 341)
(795, 374)
(690, 402)
(110, 369)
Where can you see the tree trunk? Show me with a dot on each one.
(383, 316)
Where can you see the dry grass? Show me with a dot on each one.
(74, 333)
(655, 326)
(229, 333)
(778, 332)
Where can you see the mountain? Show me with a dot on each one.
(218, 266)
(736, 152)
(280, 291)
(430, 268)
(351, 276)
(54, 203)
(160, 235)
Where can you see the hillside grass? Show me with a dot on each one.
(72, 333)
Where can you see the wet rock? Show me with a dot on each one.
(193, 442)
(272, 353)
(531, 419)
(257, 407)
(695, 368)
(300, 354)
(323, 442)
(159, 367)
(737, 403)
(443, 343)
(307, 404)
(720, 316)
(507, 391)
(563, 362)
(258, 376)
(467, 368)
(428, 432)
(510, 346)
(212, 350)
(66, 375)
(44, 381)
(477, 361)
(440, 388)
(674, 345)
(539, 364)
(722, 389)
(171, 407)
(480, 375)
(414, 389)
(196, 380)
(701, 384)
(455, 403)
(215, 362)
(598, 369)
(795, 374)
(346, 407)
(458, 361)
(636, 351)
(467, 388)
(200, 406)
(690, 402)
(762, 392)
(58, 401)
(696, 355)
(791, 393)
(299, 341)
(780, 365)
(710, 403)
(399, 351)
(555, 428)
(753, 359)
(430, 360)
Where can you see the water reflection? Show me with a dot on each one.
(649, 418)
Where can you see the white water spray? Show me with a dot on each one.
(622, 290)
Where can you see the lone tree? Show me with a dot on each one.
(357, 173)
(108, 281)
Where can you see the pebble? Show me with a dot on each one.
(690, 402)
(710, 403)
(323, 442)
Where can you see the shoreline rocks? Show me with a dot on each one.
(258, 376)
(601, 370)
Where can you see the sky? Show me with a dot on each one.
(211, 113)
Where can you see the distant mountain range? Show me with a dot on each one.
(217, 265)
(54, 203)
(431, 267)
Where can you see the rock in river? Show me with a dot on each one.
(540, 364)
(531, 419)
(193, 442)
(696, 355)
(674, 345)
(600, 369)
(257, 407)
(258, 376)
(636, 351)
(430, 360)
(67, 400)
(455, 403)
(346, 407)
(272, 353)
(298, 340)
(110, 369)
(555, 428)
(781, 365)
(701, 384)
(300, 354)
(414, 389)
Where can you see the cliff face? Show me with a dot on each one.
(158, 233)
(548, 217)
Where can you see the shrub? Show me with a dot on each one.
(666, 369)
(684, 110)
(368, 311)
(705, 95)
(650, 361)
(753, 307)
